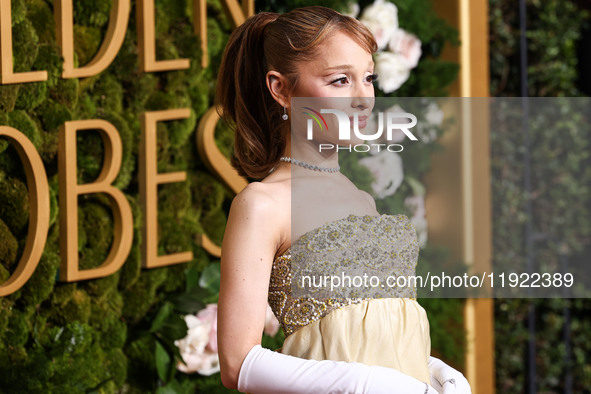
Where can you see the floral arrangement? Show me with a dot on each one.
(386, 167)
(399, 52)
(199, 349)
(184, 330)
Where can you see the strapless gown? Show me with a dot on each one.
(385, 327)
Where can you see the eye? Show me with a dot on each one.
(342, 79)
(372, 77)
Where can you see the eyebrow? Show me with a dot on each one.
(346, 66)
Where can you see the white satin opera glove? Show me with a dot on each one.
(264, 371)
(447, 380)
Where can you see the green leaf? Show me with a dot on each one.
(168, 389)
(174, 327)
(161, 317)
(417, 187)
(171, 388)
(191, 278)
(210, 278)
(171, 348)
(175, 387)
(162, 361)
(191, 301)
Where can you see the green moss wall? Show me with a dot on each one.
(91, 335)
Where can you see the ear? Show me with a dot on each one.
(278, 86)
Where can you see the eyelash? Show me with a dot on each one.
(372, 76)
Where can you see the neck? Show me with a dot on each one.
(308, 151)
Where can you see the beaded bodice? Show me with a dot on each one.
(380, 246)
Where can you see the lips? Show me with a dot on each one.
(362, 121)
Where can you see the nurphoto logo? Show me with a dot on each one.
(392, 122)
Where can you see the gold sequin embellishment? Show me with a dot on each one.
(385, 244)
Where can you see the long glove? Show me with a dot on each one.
(264, 371)
(447, 380)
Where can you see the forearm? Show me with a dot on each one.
(266, 372)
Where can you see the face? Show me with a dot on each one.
(341, 78)
(344, 69)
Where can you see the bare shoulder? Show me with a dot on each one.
(369, 198)
(262, 198)
(263, 209)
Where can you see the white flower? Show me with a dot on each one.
(434, 114)
(406, 44)
(381, 18)
(386, 168)
(392, 69)
(416, 204)
(433, 118)
(204, 364)
(420, 224)
(426, 133)
(197, 349)
(197, 335)
(352, 10)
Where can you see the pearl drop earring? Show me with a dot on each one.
(285, 117)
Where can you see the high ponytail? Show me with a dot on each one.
(245, 101)
(269, 41)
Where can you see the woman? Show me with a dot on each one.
(270, 59)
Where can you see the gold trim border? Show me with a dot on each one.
(468, 152)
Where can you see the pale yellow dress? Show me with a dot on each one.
(377, 326)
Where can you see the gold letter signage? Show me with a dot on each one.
(8, 74)
(68, 200)
(39, 214)
(64, 24)
(149, 178)
(149, 181)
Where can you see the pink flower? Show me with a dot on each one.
(407, 45)
(393, 70)
(199, 348)
(210, 314)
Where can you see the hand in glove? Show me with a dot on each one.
(447, 380)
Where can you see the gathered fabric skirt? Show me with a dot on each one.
(390, 332)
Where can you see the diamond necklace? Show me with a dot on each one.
(309, 166)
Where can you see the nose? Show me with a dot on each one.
(360, 103)
(363, 97)
(363, 103)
